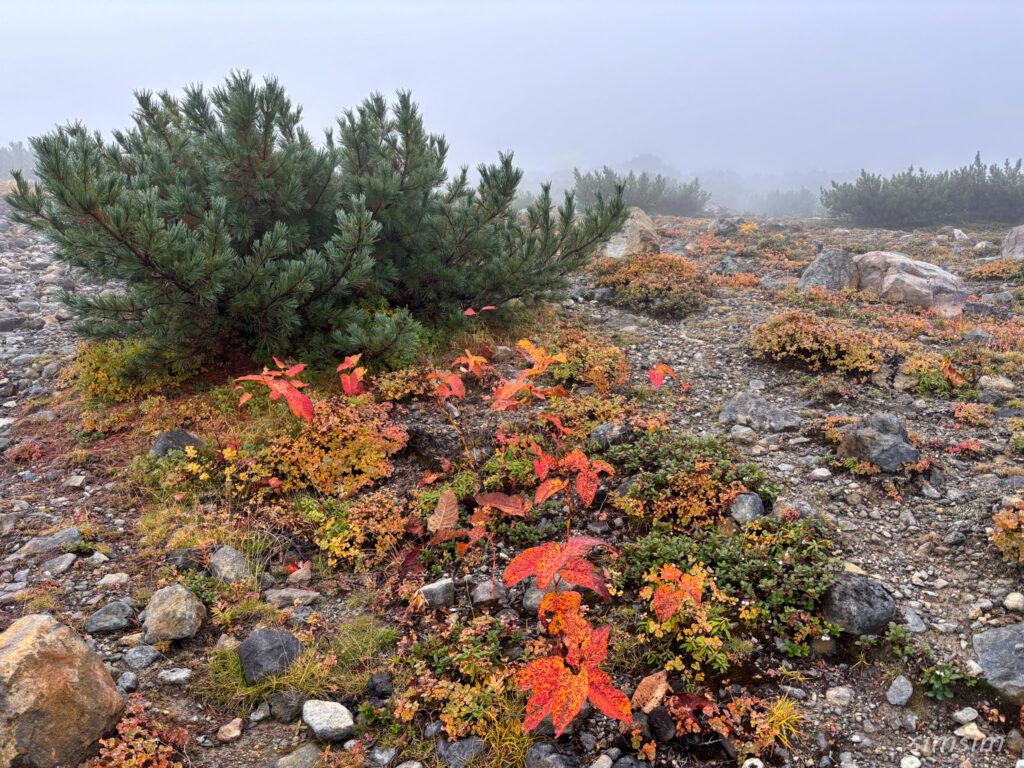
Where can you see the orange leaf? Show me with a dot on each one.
(547, 489)
(651, 691)
(446, 513)
(515, 506)
(586, 487)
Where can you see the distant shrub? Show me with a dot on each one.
(361, 532)
(802, 338)
(661, 285)
(1008, 532)
(653, 194)
(916, 198)
(999, 269)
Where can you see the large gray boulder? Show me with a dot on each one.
(895, 277)
(56, 697)
(751, 410)
(878, 439)
(638, 237)
(858, 605)
(1013, 245)
(892, 276)
(832, 270)
(1001, 656)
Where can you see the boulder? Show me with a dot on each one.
(230, 565)
(461, 753)
(746, 508)
(638, 237)
(173, 613)
(438, 594)
(832, 270)
(892, 276)
(68, 537)
(268, 652)
(611, 433)
(1013, 245)
(895, 277)
(878, 439)
(56, 697)
(175, 440)
(859, 605)
(112, 617)
(1001, 657)
(328, 720)
(751, 410)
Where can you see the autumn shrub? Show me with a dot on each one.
(1008, 532)
(460, 673)
(141, 742)
(775, 571)
(361, 532)
(590, 360)
(346, 447)
(402, 384)
(685, 480)
(801, 338)
(114, 371)
(937, 376)
(660, 285)
(779, 570)
(689, 610)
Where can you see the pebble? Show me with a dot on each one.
(1014, 602)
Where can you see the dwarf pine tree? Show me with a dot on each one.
(228, 228)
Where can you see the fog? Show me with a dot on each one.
(791, 93)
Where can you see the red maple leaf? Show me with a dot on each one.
(657, 374)
(547, 560)
(559, 688)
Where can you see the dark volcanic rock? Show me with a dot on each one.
(859, 605)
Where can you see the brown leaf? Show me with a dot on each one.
(446, 513)
(651, 691)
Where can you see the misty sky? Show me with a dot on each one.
(753, 87)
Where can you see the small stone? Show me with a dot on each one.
(910, 762)
(487, 592)
(840, 696)
(461, 753)
(174, 676)
(285, 706)
(261, 713)
(141, 656)
(60, 564)
(267, 652)
(328, 720)
(438, 594)
(965, 715)
(970, 731)
(128, 682)
(230, 732)
(113, 580)
(175, 440)
(746, 508)
(821, 473)
(280, 598)
(899, 692)
(113, 617)
(230, 565)
(742, 434)
(76, 481)
(306, 756)
(1014, 602)
(173, 613)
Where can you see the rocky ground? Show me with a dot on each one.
(69, 540)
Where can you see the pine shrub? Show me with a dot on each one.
(231, 230)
